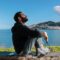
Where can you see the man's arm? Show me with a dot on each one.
(31, 32)
(44, 34)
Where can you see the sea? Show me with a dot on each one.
(6, 38)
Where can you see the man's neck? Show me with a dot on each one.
(22, 23)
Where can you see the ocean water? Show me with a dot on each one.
(53, 37)
(6, 38)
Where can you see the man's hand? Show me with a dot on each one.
(44, 34)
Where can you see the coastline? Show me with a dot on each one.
(48, 27)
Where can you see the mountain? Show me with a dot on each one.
(50, 23)
(47, 25)
(58, 23)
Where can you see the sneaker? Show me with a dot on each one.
(40, 53)
(43, 50)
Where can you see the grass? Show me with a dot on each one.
(7, 50)
(53, 49)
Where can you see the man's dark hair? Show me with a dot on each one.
(16, 16)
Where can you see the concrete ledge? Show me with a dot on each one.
(49, 56)
(24, 58)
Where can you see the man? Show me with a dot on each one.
(22, 36)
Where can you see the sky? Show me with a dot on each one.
(37, 11)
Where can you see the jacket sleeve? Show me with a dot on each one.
(32, 33)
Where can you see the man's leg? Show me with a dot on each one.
(40, 49)
(38, 45)
(28, 45)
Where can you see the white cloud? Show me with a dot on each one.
(57, 9)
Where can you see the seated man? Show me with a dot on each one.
(22, 36)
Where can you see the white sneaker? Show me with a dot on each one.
(43, 50)
(40, 51)
(47, 50)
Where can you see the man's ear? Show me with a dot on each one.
(19, 18)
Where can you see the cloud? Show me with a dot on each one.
(57, 9)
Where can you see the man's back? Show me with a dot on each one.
(19, 36)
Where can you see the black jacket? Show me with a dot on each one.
(20, 34)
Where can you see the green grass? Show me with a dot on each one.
(53, 49)
(7, 50)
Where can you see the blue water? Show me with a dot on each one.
(53, 37)
(6, 38)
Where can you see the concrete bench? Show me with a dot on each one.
(49, 56)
